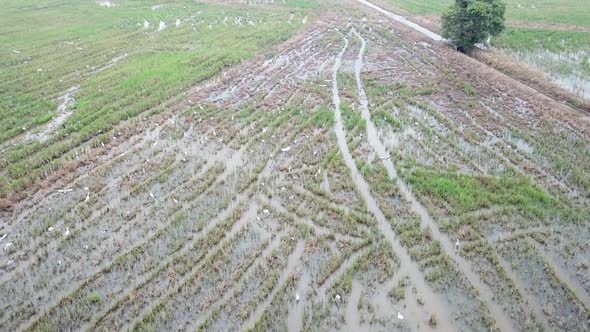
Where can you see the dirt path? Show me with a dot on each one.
(434, 303)
(403, 20)
(502, 319)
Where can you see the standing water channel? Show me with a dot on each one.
(434, 303)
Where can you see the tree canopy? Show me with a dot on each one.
(468, 22)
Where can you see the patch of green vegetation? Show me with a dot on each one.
(520, 39)
(464, 193)
(398, 293)
(586, 63)
(351, 118)
(322, 117)
(468, 89)
(78, 45)
(93, 298)
(544, 11)
(381, 118)
(366, 169)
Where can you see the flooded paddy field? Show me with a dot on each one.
(352, 174)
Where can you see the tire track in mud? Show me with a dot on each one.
(505, 236)
(186, 247)
(259, 174)
(502, 319)
(220, 155)
(344, 266)
(296, 312)
(564, 277)
(435, 303)
(516, 166)
(242, 222)
(218, 180)
(245, 146)
(353, 319)
(156, 232)
(530, 299)
(411, 309)
(292, 261)
(272, 81)
(264, 255)
(318, 229)
(118, 303)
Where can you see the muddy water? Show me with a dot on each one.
(434, 304)
(403, 20)
(248, 217)
(111, 63)
(345, 266)
(534, 305)
(564, 277)
(62, 115)
(248, 280)
(318, 229)
(502, 319)
(292, 262)
(296, 309)
(353, 319)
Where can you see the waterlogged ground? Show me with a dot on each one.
(358, 176)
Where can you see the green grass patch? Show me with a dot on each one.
(520, 39)
(382, 118)
(322, 117)
(52, 46)
(544, 11)
(463, 193)
(351, 118)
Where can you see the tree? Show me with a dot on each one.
(468, 22)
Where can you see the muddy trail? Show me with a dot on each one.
(427, 221)
(298, 191)
(406, 262)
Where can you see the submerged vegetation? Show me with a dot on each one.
(270, 165)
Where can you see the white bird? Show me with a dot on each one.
(8, 245)
(67, 232)
(266, 211)
(296, 297)
(50, 229)
(337, 297)
(400, 316)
